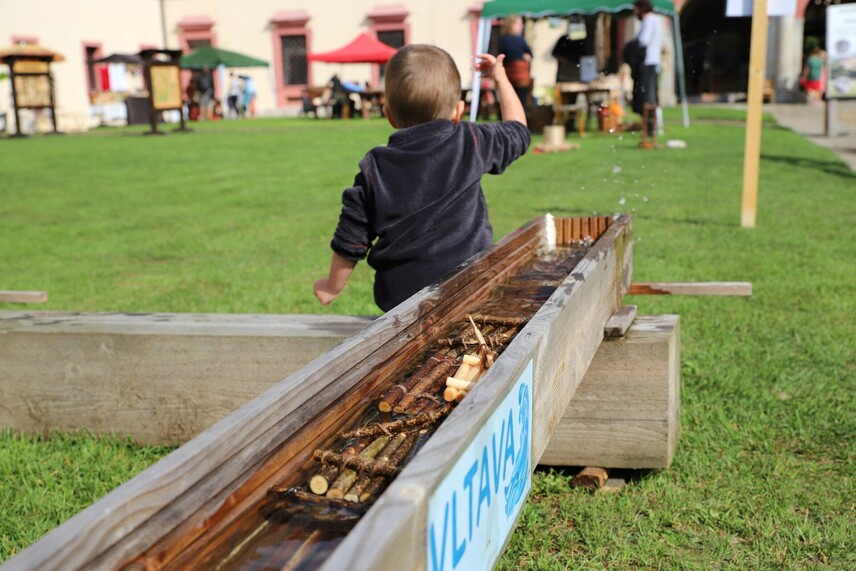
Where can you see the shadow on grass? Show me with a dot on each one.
(838, 168)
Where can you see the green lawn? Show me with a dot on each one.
(237, 217)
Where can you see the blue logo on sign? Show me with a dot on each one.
(514, 490)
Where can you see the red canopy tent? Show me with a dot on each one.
(364, 49)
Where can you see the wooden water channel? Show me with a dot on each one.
(243, 494)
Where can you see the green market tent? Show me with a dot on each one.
(211, 57)
(554, 8)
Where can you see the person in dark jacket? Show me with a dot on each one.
(417, 209)
(518, 57)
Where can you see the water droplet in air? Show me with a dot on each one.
(644, 199)
(616, 169)
(622, 200)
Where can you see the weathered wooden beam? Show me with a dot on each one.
(626, 411)
(8, 296)
(159, 378)
(743, 289)
(620, 321)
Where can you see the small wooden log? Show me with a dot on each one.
(483, 319)
(320, 482)
(454, 383)
(576, 229)
(413, 441)
(591, 478)
(397, 392)
(9, 296)
(397, 425)
(348, 476)
(620, 321)
(355, 464)
(743, 289)
(356, 490)
(419, 388)
(559, 224)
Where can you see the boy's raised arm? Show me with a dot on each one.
(509, 103)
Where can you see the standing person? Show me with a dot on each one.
(518, 56)
(651, 40)
(249, 95)
(812, 76)
(416, 207)
(236, 88)
(205, 91)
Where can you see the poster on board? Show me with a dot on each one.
(739, 8)
(166, 87)
(841, 51)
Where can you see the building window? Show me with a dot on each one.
(392, 38)
(292, 41)
(295, 68)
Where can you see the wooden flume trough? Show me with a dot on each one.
(242, 488)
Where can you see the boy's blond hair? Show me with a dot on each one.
(422, 84)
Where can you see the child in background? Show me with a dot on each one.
(416, 208)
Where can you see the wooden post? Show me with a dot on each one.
(752, 151)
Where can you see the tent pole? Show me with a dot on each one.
(482, 39)
(679, 61)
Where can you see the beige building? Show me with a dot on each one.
(281, 33)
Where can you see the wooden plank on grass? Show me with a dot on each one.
(159, 378)
(691, 288)
(9, 296)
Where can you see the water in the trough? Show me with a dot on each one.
(295, 530)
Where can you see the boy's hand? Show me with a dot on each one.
(324, 292)
(491, 65)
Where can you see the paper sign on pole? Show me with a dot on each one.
(841, 47)
(739, 8)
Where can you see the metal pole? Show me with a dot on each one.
(163, 22)
(482, 37)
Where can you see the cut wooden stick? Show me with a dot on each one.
(396, 393)
(414, 439)
(302, 552)
(348, 476)
(320, 482)
(691, 288)
(482, 319)
(397, 425)
(9, 296)
(382, 459)
(423, 385)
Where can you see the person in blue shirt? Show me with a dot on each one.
(416, 209)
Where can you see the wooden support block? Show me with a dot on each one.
(560, 231)
(613, 485)
(7, 296)
(591, 478)
(626, 411)
(158, 378)
(620, 321)
(743, 289)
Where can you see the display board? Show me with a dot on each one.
(841, 50)
(33, 91)
(166, 87)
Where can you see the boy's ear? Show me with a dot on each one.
(459, 112)
(389, 116)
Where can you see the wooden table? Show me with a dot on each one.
(566, 102)
(371, 100)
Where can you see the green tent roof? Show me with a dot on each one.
(544, 8)
(208, 56)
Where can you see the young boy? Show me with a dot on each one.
(416, 207)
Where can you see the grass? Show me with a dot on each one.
(237, 217)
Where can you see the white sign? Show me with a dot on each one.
(473, 510)
(737, 8)
(841, 50)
